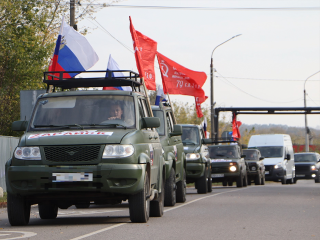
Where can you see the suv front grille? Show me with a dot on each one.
(221, 169)
(72, 153)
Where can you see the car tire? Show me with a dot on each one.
(182, 188)
(245, 180)
(157, 206)
(289, 181)
(224, 183)
(240, 180)
(257, 180)
(317, 180)
(249, 181)
(230, 183)
(139, 204)
(202, 184)
(295, 180)
(18, 210)
(284, 180)
(83, 205)
(263, 179)
(47, 211)
(170, 189)
(209, 182)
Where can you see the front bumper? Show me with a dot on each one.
(107, 178)
(195, 170)
(307, 175)
(272, 174)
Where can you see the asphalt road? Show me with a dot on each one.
(273, 211)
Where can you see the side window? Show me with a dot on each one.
(141, 111)
(169, 122)
(145, 108)
(201, 134)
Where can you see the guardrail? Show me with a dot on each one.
(7, 146)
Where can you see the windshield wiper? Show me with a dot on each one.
(65, 126)
(110, 124)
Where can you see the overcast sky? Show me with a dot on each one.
(264, 67)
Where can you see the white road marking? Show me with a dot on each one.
(173, 208)
(25, 234)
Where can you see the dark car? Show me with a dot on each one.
(175, 158)
(307, 166)
(255, 166)
(228, 165)
(76, 149)
(198, 163)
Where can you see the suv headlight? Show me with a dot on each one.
(27, 153)
(193, 156)
(313, 167)
(114, 151)
(278, 166)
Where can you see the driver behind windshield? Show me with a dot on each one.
(115, 111)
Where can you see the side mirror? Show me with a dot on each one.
(288, 157)
(150, 122)
(243, 156)
(206, 140)
(261, 158)
(19, 125)
(177, 130)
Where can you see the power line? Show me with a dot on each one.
(261, 79)
(231, 84)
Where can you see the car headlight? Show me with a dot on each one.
(277, 166)
(27, 153)
(313, 167)
(192, 156)
(233, 168)
(114, 151)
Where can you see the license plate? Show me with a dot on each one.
(217, 175)
(300, 175)
(72, 177)
(266, 172)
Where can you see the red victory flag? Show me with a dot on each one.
(235, 127)
(177, 79)
(145, 51)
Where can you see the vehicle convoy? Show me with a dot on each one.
(228, 164)
(197, 159)
(255, 166)
(170, 137)
(278, 156)
(87, 146)
(307, 165)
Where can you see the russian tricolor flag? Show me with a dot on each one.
(160, 94)
(73, 52)
(113, 66)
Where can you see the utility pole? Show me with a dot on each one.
(72, 15)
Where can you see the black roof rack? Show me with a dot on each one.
(59, 79)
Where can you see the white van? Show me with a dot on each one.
(278, 156)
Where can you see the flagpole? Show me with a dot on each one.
(174, 116)
(148, 100)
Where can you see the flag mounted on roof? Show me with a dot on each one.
(73, 52)
(145, 51)
(113, 66)
(177, 79)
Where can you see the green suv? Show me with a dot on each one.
(170, 137)
(87, 146)
(228, 164)
(198, 162)
(255, 166)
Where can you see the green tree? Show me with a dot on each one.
(28, 30)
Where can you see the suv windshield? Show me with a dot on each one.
(223, 152)
(271, 152)
(305, 158)
(250, 154)
(84, 112)
(190, 136)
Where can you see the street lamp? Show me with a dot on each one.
(305, 115)
(212, 91)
